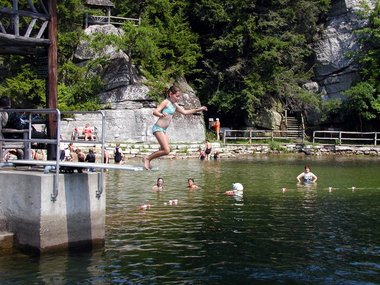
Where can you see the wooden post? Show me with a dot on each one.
(108, 15)
(16, 18)
(52, 94)
(375, 138)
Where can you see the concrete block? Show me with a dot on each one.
(76, 217)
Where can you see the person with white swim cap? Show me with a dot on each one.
(237, 190)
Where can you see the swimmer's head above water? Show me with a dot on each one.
(237, 190)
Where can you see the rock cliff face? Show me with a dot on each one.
(128, 109)
(334, 71)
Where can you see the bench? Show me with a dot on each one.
(77, 134)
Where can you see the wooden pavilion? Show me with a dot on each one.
(105, 5)
(31, 29)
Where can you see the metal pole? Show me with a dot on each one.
(57, 154)
(101, 182)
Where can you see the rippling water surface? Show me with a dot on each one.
(305, 235)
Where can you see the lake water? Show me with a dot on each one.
(305, 235)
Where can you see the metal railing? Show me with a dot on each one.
(251, 135)
(27, 141)
(341, 137)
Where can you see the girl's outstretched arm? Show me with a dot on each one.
(190, 111)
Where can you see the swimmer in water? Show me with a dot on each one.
(237, 190)
(191, 185)
(159, 185)
(307, 176)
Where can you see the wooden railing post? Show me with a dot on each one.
(16, 18)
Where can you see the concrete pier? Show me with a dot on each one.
(77, 217)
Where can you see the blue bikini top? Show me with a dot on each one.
(170, 108)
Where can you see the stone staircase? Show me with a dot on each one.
(295, 126)
(6, 238)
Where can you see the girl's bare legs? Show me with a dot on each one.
(163, 140)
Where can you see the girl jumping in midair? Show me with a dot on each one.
(165, 111)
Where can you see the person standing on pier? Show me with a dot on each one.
(165, 111)
(217, 129)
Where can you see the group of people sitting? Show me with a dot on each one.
(88, 133)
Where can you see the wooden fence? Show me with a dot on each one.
(251, 135)
(331, 137)
(343, 137)
(116, 21)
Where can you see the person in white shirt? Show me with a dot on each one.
(307, 176)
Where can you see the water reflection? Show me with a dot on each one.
(304, 235)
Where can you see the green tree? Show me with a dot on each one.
(163, 46)
(362, 103)
(24, 87)
(254, 50)
(363, 98)
(78, 85)
(239, 55)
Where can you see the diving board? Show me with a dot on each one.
(22, 162)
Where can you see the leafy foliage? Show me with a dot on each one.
(254, 49)
(240, 55)
(163, 46)
(363, 99)
(24, 88)
(78, 86)
(77, 94)
(362, 102)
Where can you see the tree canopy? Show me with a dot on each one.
(363, 98)
(240, 56)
